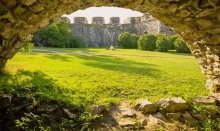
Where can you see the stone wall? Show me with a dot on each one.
(101, 34)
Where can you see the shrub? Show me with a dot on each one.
(127, 40)
(27, 47)
(147, 42)
(163, 44)
(59, 35)
(180, 46)
(77, 42)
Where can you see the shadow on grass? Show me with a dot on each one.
(120, 65)
(59, 57)
(32, 85)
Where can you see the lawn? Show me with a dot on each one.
(87, 77)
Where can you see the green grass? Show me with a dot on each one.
(86, 80)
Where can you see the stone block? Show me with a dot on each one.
(173, 104)
(205, 100)
(146, 106)
(127, 112)
(98, 109)
(188, 118)
(174, 116)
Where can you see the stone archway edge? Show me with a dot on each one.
(197, 21)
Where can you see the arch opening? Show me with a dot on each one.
(198, 22)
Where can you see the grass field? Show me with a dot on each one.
(86, 77)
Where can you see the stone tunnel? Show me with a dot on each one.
(197, 21)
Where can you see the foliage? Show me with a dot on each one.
(163, 44)
(127, 40)
(82, 81)
(180, 46)
(147, 42)
(31, 122)
(27, 47)
(59, 35)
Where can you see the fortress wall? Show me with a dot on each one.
(99, 34)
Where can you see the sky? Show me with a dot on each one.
(105, 12)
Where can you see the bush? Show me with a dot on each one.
(147, 42)
(59, 35)
(127, 41)
(180, 46)
(163, 44)
(27, 47)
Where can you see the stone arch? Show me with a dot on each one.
(197, 21)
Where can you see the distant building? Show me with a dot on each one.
(100, 34)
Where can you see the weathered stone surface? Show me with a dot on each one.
(146, 106)
(173, 104)
(156, 119)
(46, 108)
(174, 116)
(207, 100)
(200, 117)
(69, 114)
(127, 112)
(144, 122)
(5, 100)
(27, 2)
(127, 123)
(187, 117)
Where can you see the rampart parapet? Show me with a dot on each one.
(80, 20)
(98, 20)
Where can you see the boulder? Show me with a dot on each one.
(157, 119)
(127, 112)
(69, 113)
(205, 100)
(188, 118)
(5, 100)
(200, 117)
(146, 106)
(173, 104)
(174, 116)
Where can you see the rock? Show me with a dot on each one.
(98, 109)
(157, 119)
(127, 112)
(217, 98)
(27, 2)
(46, 108)
(189, 118)
(212, 112)
(144, 122)
(200, 117)
(146, 106)
(127, 123)
(69, 114)
(207, 100)
(5, 100)
(174, 116)
(173, 104)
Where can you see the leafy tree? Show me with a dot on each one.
(127, 40)
(147, 42)
(180, 46)
(59, 35)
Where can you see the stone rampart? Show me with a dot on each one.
(101, 34)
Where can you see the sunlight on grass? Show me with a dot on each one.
(93, 79)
